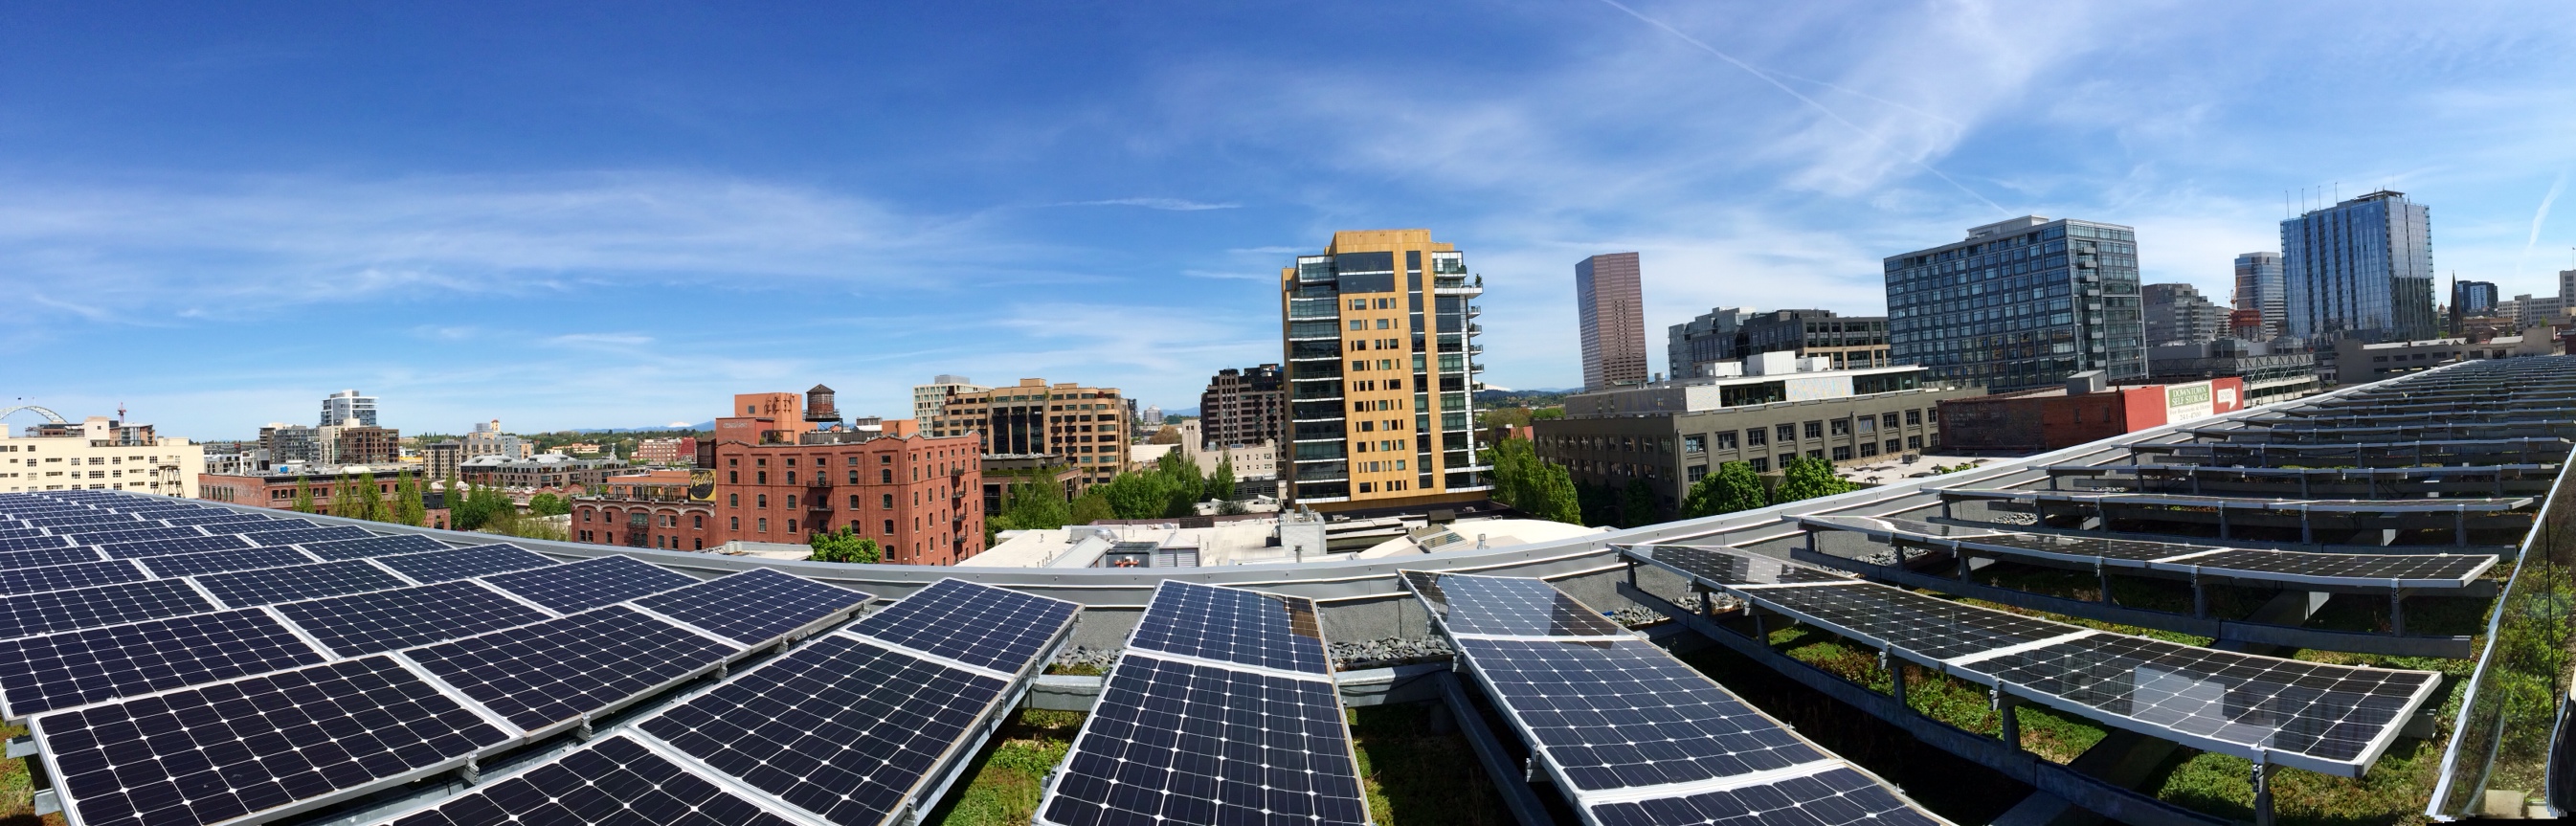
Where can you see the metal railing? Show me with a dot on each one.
(2501, 739)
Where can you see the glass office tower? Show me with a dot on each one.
(2259, 288)
(2020, 304)
(2362, 269)
(1381, 357)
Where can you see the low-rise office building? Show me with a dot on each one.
(2269, 374)
(1774, 407)
(551, 471)
(1083, 424)
(2358, 362)
(100, 453)
(669, 509)
(2084, 410)
(681, 451)
(275, 487)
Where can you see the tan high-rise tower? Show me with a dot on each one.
(1606, 302)
(1380, 345)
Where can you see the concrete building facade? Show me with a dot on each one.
(1705, 338)
(1610, 316)
(1847, 342)
(551, 471)
(1381, 354)
(1772, 410)
(1242, 406)
(2260, 287)
(678, 451)
(930, 402)
(2362, 268)
(2179, 314)
(2020, 303)
(99, 453)
(1083, 424)
(347, 406)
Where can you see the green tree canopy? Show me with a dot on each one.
(1637, 505)
(369, 504)
(303, 494)
(1807, 477)
(843, 546)
(547, 504)
(1734, 487)
(1091, 506)
(1220, 485)
(1030, 506)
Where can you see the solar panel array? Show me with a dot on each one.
(2350, 570)
(2330, 719)
(1631, 735)
(1222, 710)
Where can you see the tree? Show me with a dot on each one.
(1091, 506)
(843, 546)
(1637, 505)
(1553, 497)
(303, 494)
(407, 509)
(547, 504)
(1220, 485)
(1600, 504)
(1547, 414)
(1734, 487)
(1532, 485)
(1181, 484)
(1807, 477)
(1029, 506)
(369, 502)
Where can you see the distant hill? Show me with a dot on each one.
(1523, 398)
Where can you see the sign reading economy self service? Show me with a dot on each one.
(2203, 399)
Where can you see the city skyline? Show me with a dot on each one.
(618, 221)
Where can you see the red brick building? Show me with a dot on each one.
(921, 498)
(677, 451)
(670, 509)
(2060, 417)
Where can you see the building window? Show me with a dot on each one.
(1914, 417)
(1816, 430)
(1694, 473)
(1787, 433)
(733, 477)
(791, 526)
(1888, 420)
(889, 527)
(1760, 464)
(1866, 448)
(1815, 454)
(791, 501)
(886, 501)
(764, 525)
(763, 499)
(733, 500)
(737, 523)
(1694, 443)
(698, 521)
(761, 477)
(885, 477)
(1842, 453)
(1892, 445)
(1842, 427)
(1757, 436)
(1914, 443)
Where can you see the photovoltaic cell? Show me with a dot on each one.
(131, 535)
(1508, 606)
(175, 545)
(558, 670)
(974, 624)
(40, 674)
(2424, 570)
(401, 543)
(1173, 742)
(40, 557)
(293, 736)
(242, 589)
(212, 517)
(7, 532)
(613, 782)
(380, 621)
(214, 562)
(840, 728)
(1232, 625)
(1835, 797)
(755, 606)
(77, 608)
(259, 527)
(75, 575)
(480, 560)
(1739, 569)
(294, 537)
(589, 583)
(1622, 713)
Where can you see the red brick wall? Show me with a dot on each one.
(920, 498)
(681, 526)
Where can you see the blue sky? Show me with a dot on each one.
(586, 215)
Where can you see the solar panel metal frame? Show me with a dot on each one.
(1589, 803)
(103, 568)
(510, 739)
(731, 651)
(22, 558)
(2185, 558)
(751, 646)
(332, 550)
(169, 590)
(1053, 790)
(945, 769)
(1756, 595)
(15, 708)
(494, 789)
(212, 582)
(141, 548)
(302, 614)
(433, 566)
(583, 579)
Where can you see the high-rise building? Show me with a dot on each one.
(1606, 298)
(1381, 359)
(1082, 424)
(2259, 287)
(2362, 268)
(1241, 407)
(2020, 303)
(488, 440)
(2477, 298)
(1851, 342)
(930, 402)
(338, 408)
(1706, 338)
(2179, 314)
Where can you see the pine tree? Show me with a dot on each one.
(303, 494)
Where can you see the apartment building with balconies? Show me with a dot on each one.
(1379, 337)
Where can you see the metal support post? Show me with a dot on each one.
(1896, 673)
(2002, 701)
(2261, 775)
(1960, 554)
(1707, 600)
(2396, 608)
(2307, 529)
(2199, 595)
(2222, 520)
(2460, 525)
(1632, 573)
(2102, 574)
(1945, 507)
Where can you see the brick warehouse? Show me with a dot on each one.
(778, 478)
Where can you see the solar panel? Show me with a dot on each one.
(2326, 718)
(978, 625)
(242, 589)
(77, 520)
(256, 527)
(589, 583)
(1740, 569)
(2346, 569)
(556, 671)
(175, 545)
(1232, 625)
(443, 565)
(837, 727)
(303, 535)
(131, 535)
(755, 606)
(212, 517)
(1835, 796)
(1177, 742)
(74, 575)
(8, 532)
(379, 621)
(1508, 607)
(401, 543)
(75, 668)
(289, 738)
(39, 557)
(213, 562)
(612, 782)
(30, 542)
(76, 608)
